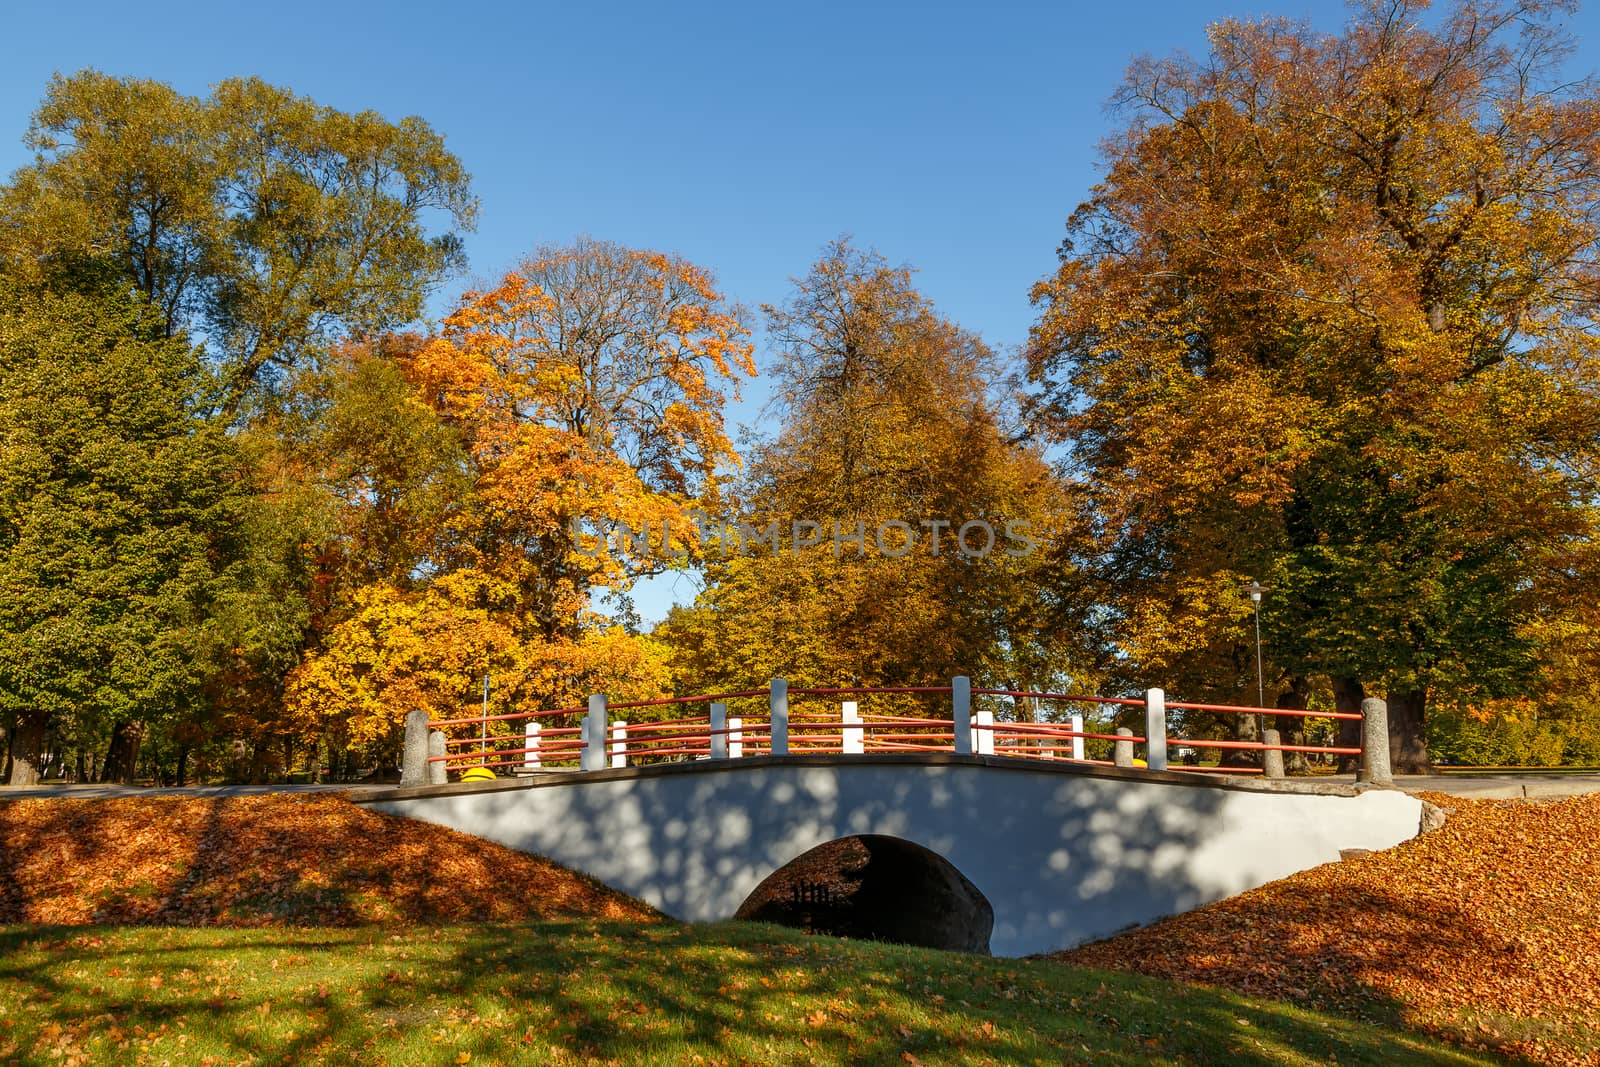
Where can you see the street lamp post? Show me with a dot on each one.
(1255, 589)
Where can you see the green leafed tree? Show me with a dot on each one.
(258, 220)
(121, 503)
(267, 230)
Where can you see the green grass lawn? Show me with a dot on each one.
(622, 993)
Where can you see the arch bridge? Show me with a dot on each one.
(820, 814)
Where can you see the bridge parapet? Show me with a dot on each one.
(522, 742)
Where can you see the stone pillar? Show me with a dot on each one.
(778, 702)
(1155, 729)
(961, 711)
(1122, 751)
(1271, 758)
(719, 731)
(619, 743)
(438, 770)
(983, 739)
(1077, 742)
(531, 761)
(414, 756)
(850, 728)
(594, 735)
(735, 737)
(1375, 744)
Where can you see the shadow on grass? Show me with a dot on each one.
(629, 993)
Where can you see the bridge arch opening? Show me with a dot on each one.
(877, 888)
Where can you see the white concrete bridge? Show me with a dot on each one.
(1063, 852)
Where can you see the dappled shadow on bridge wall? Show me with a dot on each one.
(875, 888)
(1061, 857)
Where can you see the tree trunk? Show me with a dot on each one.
(183, 765)
(1292, 728)
(1408, 735)
(122, 757)
(1348, 693)
(1244, 728)
(27, 744)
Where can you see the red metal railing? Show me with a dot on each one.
(805, 730)
(1262, 746)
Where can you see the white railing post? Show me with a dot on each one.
(719, 731)
(1077, 742)
(983, 737)
(619, 743)
(1155, 729)
(851, 730)
(961, 708)
(735, 737)
(594, 734)
(530, 741)
(778, 702)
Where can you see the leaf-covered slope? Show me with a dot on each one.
(1487, 929)
(270, 861)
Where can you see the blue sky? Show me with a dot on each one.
(955, 138)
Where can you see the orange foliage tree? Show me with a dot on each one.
(1329, 322)
(571, 417)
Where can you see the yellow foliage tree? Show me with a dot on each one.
(428, 648)
(573, 417)
(850, 562)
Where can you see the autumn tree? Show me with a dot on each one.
(852, 556)
(1328, 322)
(559, 437)
(269, 229)
(259, 220)
(588, 389)
(119, 505)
